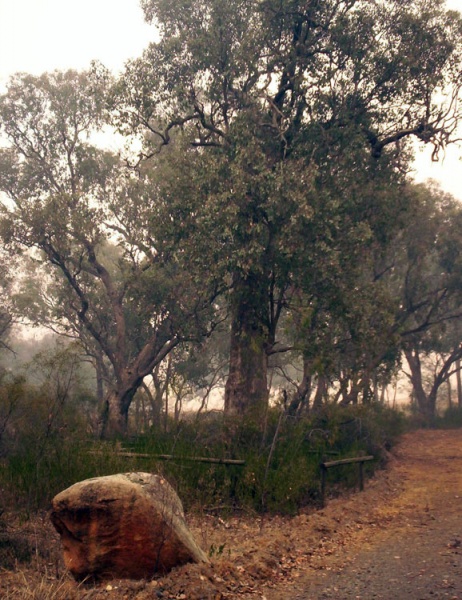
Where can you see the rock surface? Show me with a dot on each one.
(126, 525)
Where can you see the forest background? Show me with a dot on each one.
(255, 234)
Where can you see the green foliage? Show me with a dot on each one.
(88, 223)
(45, 448)
(279, 197)
(44, 444)
(45, 461)
(451, 419)
(285, 131)
(291, 124)
(281, 471)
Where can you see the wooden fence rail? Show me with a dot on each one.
(202, 459)
(344, 461)
(324, 466)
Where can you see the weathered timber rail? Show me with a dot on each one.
(324, 466)
(202, 459)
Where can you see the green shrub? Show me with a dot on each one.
(452, 418)
(281, 471)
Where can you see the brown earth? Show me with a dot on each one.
(400, 538)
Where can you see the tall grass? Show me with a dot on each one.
(281, 471)
(44, 588)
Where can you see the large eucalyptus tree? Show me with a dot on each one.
(280, 104)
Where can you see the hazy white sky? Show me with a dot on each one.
(43, 35)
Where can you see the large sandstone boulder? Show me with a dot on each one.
(127, 525)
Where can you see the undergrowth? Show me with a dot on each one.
(47, 587)
(281, 471)
(450, 419)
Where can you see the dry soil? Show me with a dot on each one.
(399, 539)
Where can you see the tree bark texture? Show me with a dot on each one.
(114, 420)
(246, 391)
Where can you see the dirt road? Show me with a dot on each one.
(408, 545)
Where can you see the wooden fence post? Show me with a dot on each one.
(361, 476)
(344, 461)
(323, 484)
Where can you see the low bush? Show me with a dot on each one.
(45, 454)
(281, 471)
(451, 418)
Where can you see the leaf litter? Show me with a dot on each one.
(265, 556)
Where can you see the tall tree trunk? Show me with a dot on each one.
(459, 383)
(426, 404)
(114, 420)
(246, 391)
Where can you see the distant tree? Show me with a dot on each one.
(79, 211)
(430, 315)
(6, 317)
(428, 371)
(403, 295)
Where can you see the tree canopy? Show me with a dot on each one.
(87, 216)
(271, 184)
(298, 113)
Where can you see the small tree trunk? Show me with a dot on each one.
(367, 394)
(449, 386)
(343, 389)
(301, 397)
(375, 387)
(351, 397)
(137, 415)
(383, 394)
(426, 404)
(99, 369)
(144, 412)
(395, 395)
(166, 411)
(155, 406)
(320, 392)
(178, 403)
(166, 387)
